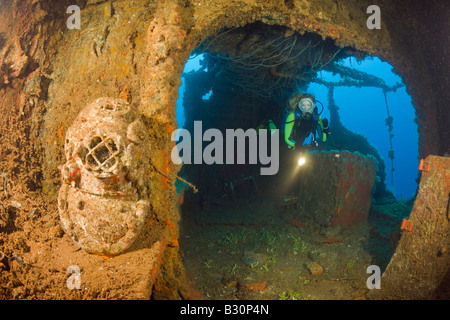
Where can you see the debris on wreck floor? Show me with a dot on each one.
(255, 247)
(261, 251)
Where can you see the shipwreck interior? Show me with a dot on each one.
(243, 228)
(90, 190)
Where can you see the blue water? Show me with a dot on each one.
(363, 110)
(192, 65)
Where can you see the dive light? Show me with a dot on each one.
(301, 160)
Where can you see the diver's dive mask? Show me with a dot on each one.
(306, 106)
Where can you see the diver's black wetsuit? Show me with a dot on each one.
(303, 128)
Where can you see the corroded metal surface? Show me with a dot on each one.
(345, 180)
(422, 257)
(102, 202)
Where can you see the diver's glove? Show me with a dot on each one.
(292, 147)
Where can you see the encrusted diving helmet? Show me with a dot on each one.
(103, 200)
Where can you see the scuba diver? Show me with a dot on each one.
(302, 119)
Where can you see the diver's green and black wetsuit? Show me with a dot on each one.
(297, 128)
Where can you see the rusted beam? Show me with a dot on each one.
(422, 257)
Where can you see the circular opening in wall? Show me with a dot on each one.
(284, 232)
